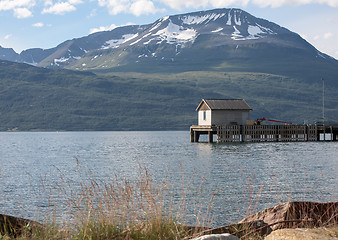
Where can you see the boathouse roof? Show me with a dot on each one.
(223, 104)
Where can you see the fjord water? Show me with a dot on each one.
(239, 177)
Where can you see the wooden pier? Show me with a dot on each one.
(265, 133)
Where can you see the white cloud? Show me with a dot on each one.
(101, 29)
(139, 7)
(75, 2)
(8, 36)
(316, 37)
(143, 7)
(60, 8)
(115, 6)
(181, 4)
(6, 5)
(328, 35)
(108, 28)
(325, 36)
(39, 24)
(92, 13)
(135, 7)
(48, 3)
(22, 13)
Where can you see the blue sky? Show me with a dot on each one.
(46, 23)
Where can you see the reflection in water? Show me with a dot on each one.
(236, 175)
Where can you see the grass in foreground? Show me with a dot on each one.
(148, 209)
(114, 209)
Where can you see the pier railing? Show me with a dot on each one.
(265, 133)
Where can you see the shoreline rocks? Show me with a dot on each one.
(290, 220)
(14, 226)
(304, 234)
(297, 215)
(289, 215)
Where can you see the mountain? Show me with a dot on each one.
(9, 54)
(199, 40)
(151, 77)
(192, 40)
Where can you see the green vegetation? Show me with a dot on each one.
(41, 99)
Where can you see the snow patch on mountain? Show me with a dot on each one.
(236, 35)
(114, 43)
(217, 30)
(57, 61)
(84, 50)
(254, 31)
(189, 19)
(94, 57)
(176, 34)
(164, 18)
(229, 20)
(160, 22)
(237, 20)
(138, 40)
(156, 26)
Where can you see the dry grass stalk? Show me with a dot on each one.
(117, 209)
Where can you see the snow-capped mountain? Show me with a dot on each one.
(195, 38)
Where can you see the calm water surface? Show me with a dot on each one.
(235, 174)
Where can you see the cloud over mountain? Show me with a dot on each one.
(135, 7)
(139, 7)
(22, 13)
(38, 24)
(6, 5)
(20, 8)
(61, 8)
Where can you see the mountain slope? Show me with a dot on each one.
(34, 98)
(8, 54)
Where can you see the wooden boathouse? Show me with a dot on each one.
(228, 119)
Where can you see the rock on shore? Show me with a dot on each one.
(14, 226)
(289, 217)
(304, 234)
(297, 215)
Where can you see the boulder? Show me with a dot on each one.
(223, 236)
(297, 215)
(15, 226)
(304, 234)
(239, 229)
